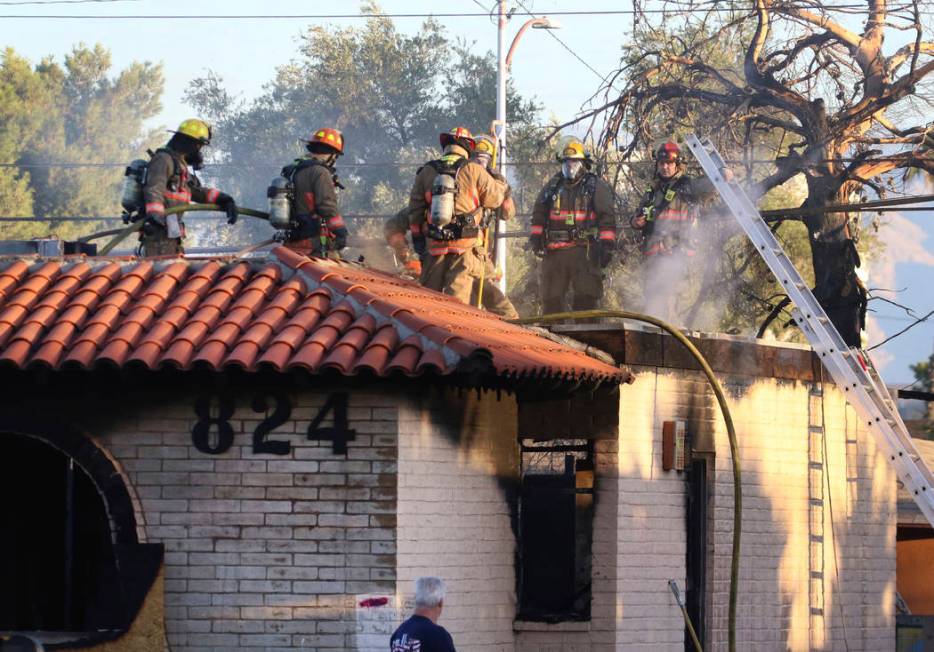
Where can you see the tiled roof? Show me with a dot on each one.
(283, 313)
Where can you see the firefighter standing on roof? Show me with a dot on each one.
(168, 183)
(446, 212)
(574, 231)
(667, 217)
(317, 227)
(486, 291)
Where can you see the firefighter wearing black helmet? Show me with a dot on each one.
(574, 232)
(317, 226)
(667, 218)
(169, 183)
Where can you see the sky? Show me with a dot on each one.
(246, 52)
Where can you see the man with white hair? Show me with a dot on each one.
(421, 633)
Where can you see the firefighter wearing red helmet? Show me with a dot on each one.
(446, 210)
(574, 231)
(318, 228)
(667, 218)
(169, 183)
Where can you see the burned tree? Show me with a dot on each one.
(804, 90)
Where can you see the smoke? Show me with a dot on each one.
(687, 288)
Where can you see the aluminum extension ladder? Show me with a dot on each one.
(851, 369)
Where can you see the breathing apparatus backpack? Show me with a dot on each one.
(443, 223)
(281, 193)
(131, 190)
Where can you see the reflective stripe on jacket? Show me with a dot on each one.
(169, 184)
(570, 216)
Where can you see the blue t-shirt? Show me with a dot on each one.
(419, 634)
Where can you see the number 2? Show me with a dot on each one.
(279, 416)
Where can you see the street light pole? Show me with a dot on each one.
(500, 128)
(503, 61)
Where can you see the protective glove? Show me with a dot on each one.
(229, 206)
(537, 245)
(340, 238)
(638, 221)
(413, 266)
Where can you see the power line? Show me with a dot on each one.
(565, 45)
(402, 164)
(464, 14)
(60, 2)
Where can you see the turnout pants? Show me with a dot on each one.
(453, 274)
(570, 270)
(492, 298)
(154, 241)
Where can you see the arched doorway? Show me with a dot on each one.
(58, 565)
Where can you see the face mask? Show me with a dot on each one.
(196, 159)
(570, 169)
(483, 159)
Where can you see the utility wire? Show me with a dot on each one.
(614, 12)
(902, 331)
(574, 54)
(397, 164)
(60, 2)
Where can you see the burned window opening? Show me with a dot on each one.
(555, 530)
(57, 554)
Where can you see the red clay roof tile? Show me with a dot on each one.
(282, 313)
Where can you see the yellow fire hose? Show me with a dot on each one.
(724, 410)
(486, 249)
(136, 226)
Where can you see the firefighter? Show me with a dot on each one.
(446, 208)
(395, 230)
(667, 219)
(574, 232)
(487, 292)
(169, 183)
(317, 227)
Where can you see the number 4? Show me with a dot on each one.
(339, 434)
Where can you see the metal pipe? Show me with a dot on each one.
(687, 619)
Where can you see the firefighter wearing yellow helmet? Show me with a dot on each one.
(446, 206)
(573, 231)
(169, 183)
(486, 290)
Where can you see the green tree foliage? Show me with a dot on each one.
(922, 373)
(72, 113)
(389, 93)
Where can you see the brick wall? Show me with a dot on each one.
(458, 458)
(263, 551)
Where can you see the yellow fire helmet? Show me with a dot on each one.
(571, 148)
(195, 129)
(486, 144)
